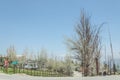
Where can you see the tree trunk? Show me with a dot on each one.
(97, 67)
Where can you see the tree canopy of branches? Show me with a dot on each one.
(86, 46)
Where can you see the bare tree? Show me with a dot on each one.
(87, 45)
(50, 64)
(11, 53)
(42, 58)
(22, 59)
(68, 65)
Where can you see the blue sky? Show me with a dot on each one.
(35, 24)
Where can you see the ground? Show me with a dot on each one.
(26, 77)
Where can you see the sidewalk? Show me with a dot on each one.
(26, 77)
(77, 74)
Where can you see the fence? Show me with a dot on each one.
(33, 72)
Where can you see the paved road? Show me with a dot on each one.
(26, 77)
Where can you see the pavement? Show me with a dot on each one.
(77, 74)
(26, 77)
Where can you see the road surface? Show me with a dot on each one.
(26, 77)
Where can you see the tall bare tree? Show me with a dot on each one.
(87, 45)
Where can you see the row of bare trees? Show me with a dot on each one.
(44, 61)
